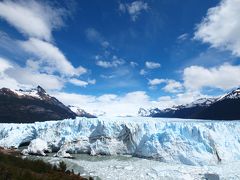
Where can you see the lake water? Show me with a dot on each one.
(127, 167)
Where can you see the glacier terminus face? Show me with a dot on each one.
(189, 142)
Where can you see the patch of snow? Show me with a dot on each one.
(32, 92)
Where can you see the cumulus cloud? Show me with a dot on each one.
(143, 72)
(32, 18)
(152, 65)
(171, 85)
(134, 9)
(81, 83)
(78, 82)
(5, 80)
(156, 81)
(14, 76)
(221, 27)
(124, 105)
(224, 77)
(110, 64)
(149, 65)
(51, 58)
(4, 65)
(111, 104)
(133, 64)
(48, 66)
(27, 77)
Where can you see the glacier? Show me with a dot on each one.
(189, 142)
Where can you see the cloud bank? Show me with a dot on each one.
(221, 27)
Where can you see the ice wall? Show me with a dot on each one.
(192, 142)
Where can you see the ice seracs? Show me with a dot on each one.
(37, 147)
(192, 142)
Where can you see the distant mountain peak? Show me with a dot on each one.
(234, 94)
(224, 108)
(143, 112)
(40, 90)
(81, 112)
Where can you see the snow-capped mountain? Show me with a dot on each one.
(235, 94)
(143, 112)
(80, 112)
(225, 107)
(25, 106)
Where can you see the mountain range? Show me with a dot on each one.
(27, 106)
(226, 107)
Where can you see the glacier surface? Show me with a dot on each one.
(190, 142)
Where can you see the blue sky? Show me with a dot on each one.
(123, 53)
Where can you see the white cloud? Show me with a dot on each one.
(7, 44)
(92, 81)
(51, 56)
(110, 64)
(143, 72)
(78, 82)
(4, 65)
(49, 67)
(31, 17)
(13, 76)
(155, 82)
(133, 64)
(173, 86)
(221, 26)
(224, 77)
(5, 80)
(134, 9)
(183, 37)
(152, 65)
(127, 104)
(111, 104)
(81, 83)
(107, 76)
(25, 76)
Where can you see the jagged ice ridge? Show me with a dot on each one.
(192, 142)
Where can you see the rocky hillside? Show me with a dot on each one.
(26, 106)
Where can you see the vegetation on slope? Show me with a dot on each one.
(16, 168)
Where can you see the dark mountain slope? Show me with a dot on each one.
(30, 106)
(226, 107)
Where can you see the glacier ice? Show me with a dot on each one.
(191, 142)
(37, 147)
